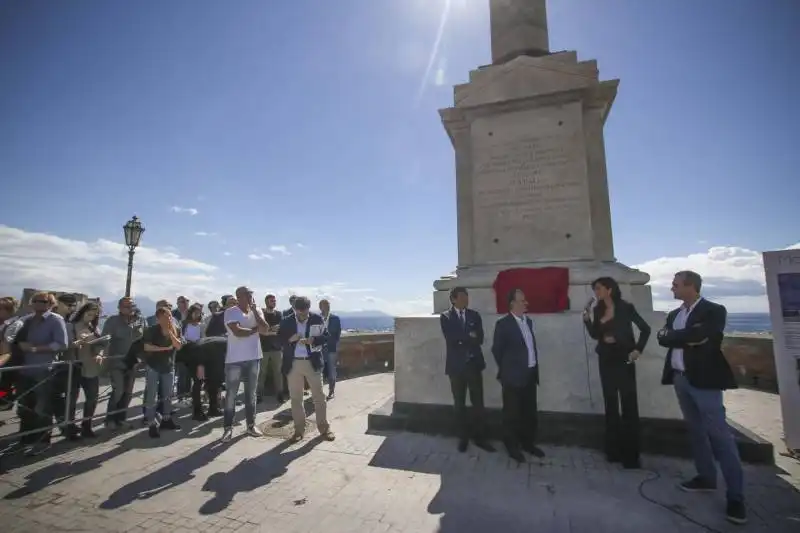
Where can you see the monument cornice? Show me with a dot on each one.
(599, 96)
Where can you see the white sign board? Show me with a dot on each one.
(782, 270)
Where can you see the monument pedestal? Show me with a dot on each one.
(570, 396)
(532, 191)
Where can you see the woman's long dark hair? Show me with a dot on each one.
(85, 308)
(612, 285)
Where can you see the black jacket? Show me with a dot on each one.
(701, 340)
(621, 328)
(463, 340)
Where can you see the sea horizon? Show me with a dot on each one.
(737, 323)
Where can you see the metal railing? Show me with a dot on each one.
(70, 396)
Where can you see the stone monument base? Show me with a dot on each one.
(569, 397)
(658, 436)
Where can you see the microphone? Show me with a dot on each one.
(589, 304)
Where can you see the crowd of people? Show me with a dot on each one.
(58, 349)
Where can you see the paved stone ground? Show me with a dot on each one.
(368, 483)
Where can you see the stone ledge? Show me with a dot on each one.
(658, 436)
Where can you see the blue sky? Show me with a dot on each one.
(313, 122)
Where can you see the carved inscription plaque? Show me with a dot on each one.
(530, 188)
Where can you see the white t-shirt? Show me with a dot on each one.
(242, 349)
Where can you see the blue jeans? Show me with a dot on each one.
(710, 435)
(330, 368)
(235, 373)
(155, 383)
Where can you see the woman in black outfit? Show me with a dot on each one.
(611, 326)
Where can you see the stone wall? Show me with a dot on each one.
(752, 359)
(28, 293)
(750, 356)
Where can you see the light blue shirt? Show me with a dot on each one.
(522, 322)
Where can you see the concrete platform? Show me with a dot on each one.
(658, 436)
(393, 482)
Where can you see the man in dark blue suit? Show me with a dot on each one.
(463, 334)
(514, 349)
(302, 337)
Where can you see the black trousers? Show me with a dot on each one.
(61, 388)
(470, 381)
(621, 404)
(521, 413)
(212, 388)
(35, 406)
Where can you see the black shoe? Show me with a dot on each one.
(154, 431)
(463, 444)
(485, 445)
(736, 512)
(631, 464)
(71, 433)
(697, 484)
(200, 416)
(516, 455)
(170, 424)
(87, 432)
(330, 395)
(533, 450)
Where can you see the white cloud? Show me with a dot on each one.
(259, 257)
(226, 254)
(280, 249)
(204, 234)
(300, 245)
(732, 276)
(98, 268)
(439, 77)
(184, 210)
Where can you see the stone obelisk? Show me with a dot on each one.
(518, 28)
(531, 191)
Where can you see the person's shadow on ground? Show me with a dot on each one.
(171, 475)
(251, 474)
(55, 473)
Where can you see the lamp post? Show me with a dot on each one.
(133, 233)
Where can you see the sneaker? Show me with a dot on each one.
(254, 431)
(154, 432)
(227, 435)
(169, 424)
(697, 484)
(87, 432)
(736, 512)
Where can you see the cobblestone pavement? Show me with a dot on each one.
(368, 483)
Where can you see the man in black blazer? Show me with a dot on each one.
(698, 370)
(302, 337)
(514, 349)
(463, 334)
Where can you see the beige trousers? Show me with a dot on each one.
(302, 370)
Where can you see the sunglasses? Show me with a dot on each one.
(41, 301)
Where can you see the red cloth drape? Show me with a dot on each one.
(546, 289)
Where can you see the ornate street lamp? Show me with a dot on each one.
(133, 234)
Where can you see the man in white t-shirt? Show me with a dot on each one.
(243, 322)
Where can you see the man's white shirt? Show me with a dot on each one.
(241, 349)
